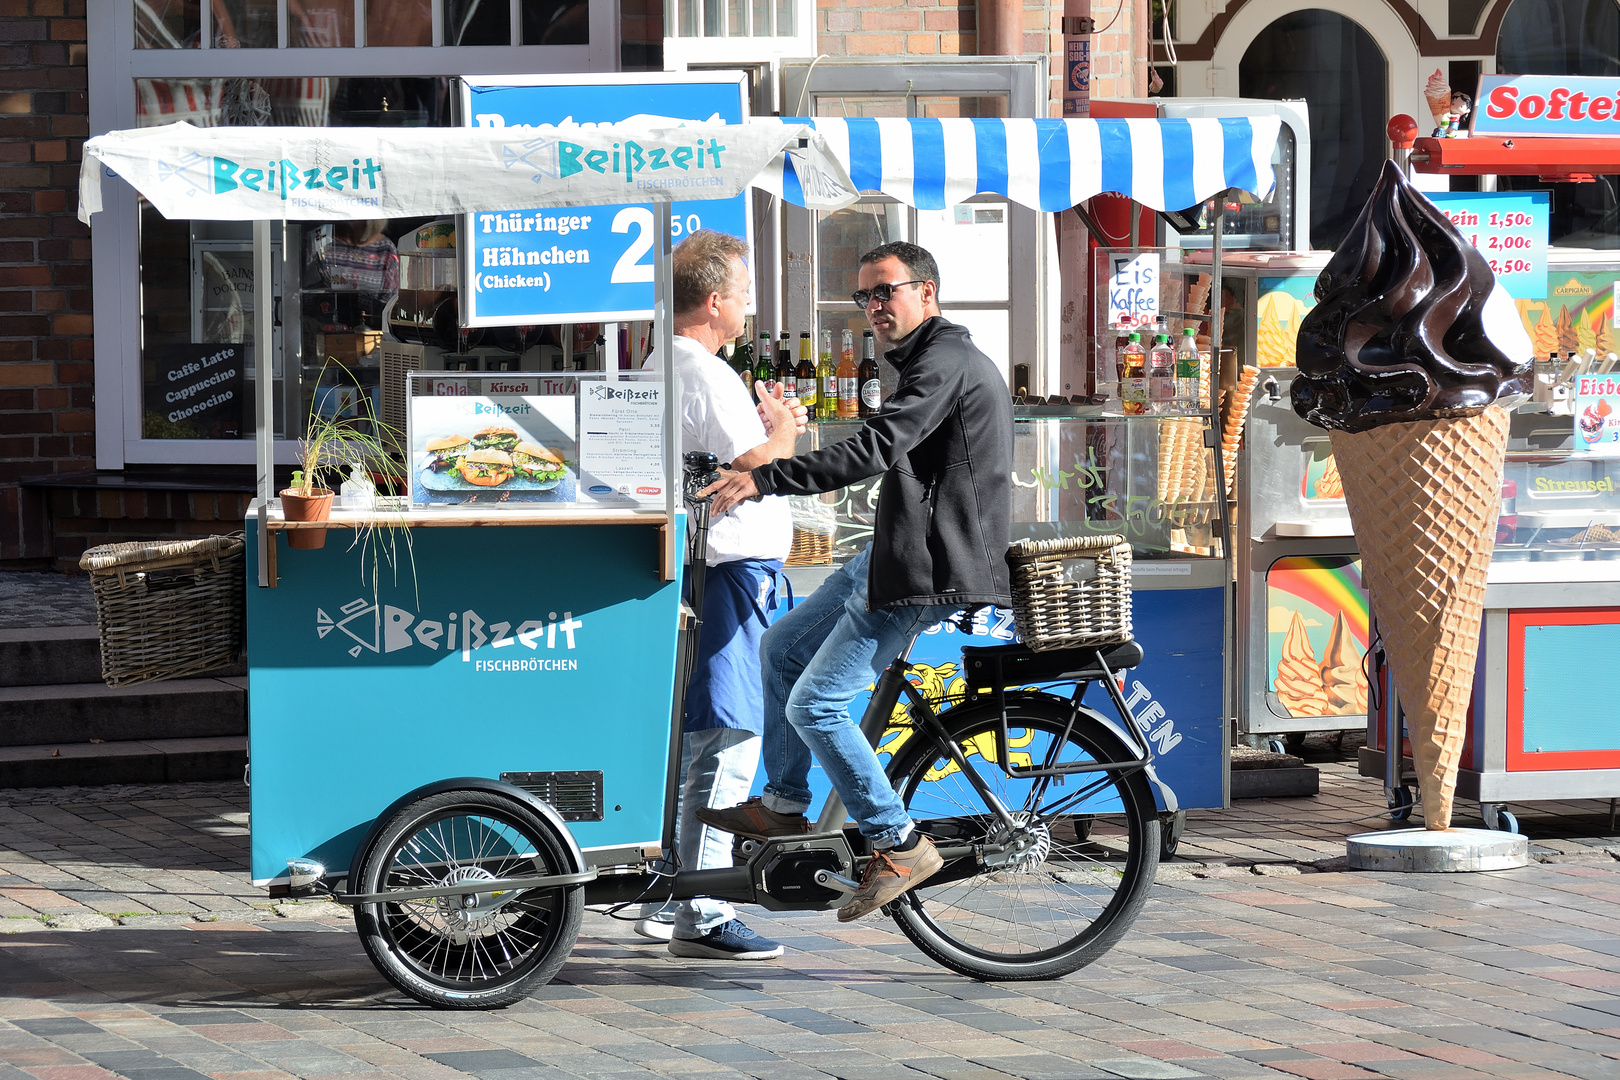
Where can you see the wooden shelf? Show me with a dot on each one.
(464, 518)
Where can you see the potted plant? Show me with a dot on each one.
(330, 447)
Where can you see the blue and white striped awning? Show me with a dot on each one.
(1049, 164)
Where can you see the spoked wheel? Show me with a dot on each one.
(474, 950)
(1056, 896)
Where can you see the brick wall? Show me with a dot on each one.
(901, 28)
(83, 518)
(47, 418)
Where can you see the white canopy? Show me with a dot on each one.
(315, 174)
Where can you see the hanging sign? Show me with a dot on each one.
(1568, 106)
(1133, 289)
(1509, 228)
(594, 263)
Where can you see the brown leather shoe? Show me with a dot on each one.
(753, 819)
(890, 873)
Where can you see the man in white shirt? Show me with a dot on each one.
(721, 733)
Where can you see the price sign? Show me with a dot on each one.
(588, 263)
(1510, 229)
(1133, 288)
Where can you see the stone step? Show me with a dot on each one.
(60, 655)
(64, 714)
(140, 761)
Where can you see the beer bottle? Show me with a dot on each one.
(871, 382)
(763, 372)
(826, 381)
(784, 366)
(849, 381)
(742, 362)
(806, 375)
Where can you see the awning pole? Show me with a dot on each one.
(664, 331)
(263, 355)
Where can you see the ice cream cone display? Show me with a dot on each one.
(1279, 316)
(1183, 466)
(1342, 678)
(1408, 359)
(1602, 336)
(1568, 340)
(1586, 335)
(1299, 677)
(1437, 92)
(1545, 339)
(1233, 420)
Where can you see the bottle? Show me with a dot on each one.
(763, 371)
(742, 362)
(1133, 377)
(1189, 374)
(849, 380)
(871, 382)
(784, 367)
(1161, 375)
(806, 374)
(1114, 363)
(826, 381)
(357, 492)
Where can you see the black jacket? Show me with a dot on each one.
(944, 443)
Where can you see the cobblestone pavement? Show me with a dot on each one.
(1257, 956)
(45, 598)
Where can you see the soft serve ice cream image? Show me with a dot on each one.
(1592, 420)
(1411, 359)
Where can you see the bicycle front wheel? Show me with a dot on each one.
(1058, 888)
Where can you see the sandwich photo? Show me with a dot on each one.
(495, 438)
(445, 454)
(537, 464)
(486, 468)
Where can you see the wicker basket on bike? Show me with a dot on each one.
(1072, 591)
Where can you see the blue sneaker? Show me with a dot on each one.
(728, 941)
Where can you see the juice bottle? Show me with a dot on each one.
(869, 378)
(1189, 373)
(806, 375)
(849, 380)
(1133, 377)
(1161, 375)
(826, 381)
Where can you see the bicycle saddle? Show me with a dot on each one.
(1003, 665)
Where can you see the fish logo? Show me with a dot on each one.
(192, 170)
(354, 611)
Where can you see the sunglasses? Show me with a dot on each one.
(882, 293)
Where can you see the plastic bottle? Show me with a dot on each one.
(1161, 375)
(358, 492)
(806, 375)
(871, 381)
(1113, 363)
(1189, 373)
(849, 380)
(1133, 394)
(826, 380)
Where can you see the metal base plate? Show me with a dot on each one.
(1451, 851)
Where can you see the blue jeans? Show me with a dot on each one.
(815, 660)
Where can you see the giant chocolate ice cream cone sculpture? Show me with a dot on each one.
(1409, 358)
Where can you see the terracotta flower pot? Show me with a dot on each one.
(316, 506)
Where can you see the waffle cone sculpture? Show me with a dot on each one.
(1408, 359)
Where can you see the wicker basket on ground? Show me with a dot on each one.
(168, 609)
(1072, 591)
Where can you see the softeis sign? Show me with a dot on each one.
(1565, 106)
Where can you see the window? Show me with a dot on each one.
(173, 293)
(1566, 37)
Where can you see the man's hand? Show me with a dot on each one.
(732, 488)
(771, 416)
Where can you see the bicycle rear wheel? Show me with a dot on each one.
(1060, 893)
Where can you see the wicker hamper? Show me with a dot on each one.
(1071, 592)
(167, 609)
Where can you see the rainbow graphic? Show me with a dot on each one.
(1311, 593)
(1587, 296)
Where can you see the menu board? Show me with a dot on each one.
(621, 430)
(1509, 228)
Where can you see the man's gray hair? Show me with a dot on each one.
(703, 266)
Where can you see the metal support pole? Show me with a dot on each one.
(264, 410)
(664, 330)
(1229, 682)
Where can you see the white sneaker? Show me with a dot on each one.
(655, 928)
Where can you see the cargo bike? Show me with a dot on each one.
(473, 749)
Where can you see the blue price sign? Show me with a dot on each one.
(589, 263)
(1509, 228)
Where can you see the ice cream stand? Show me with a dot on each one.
(518, 659)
